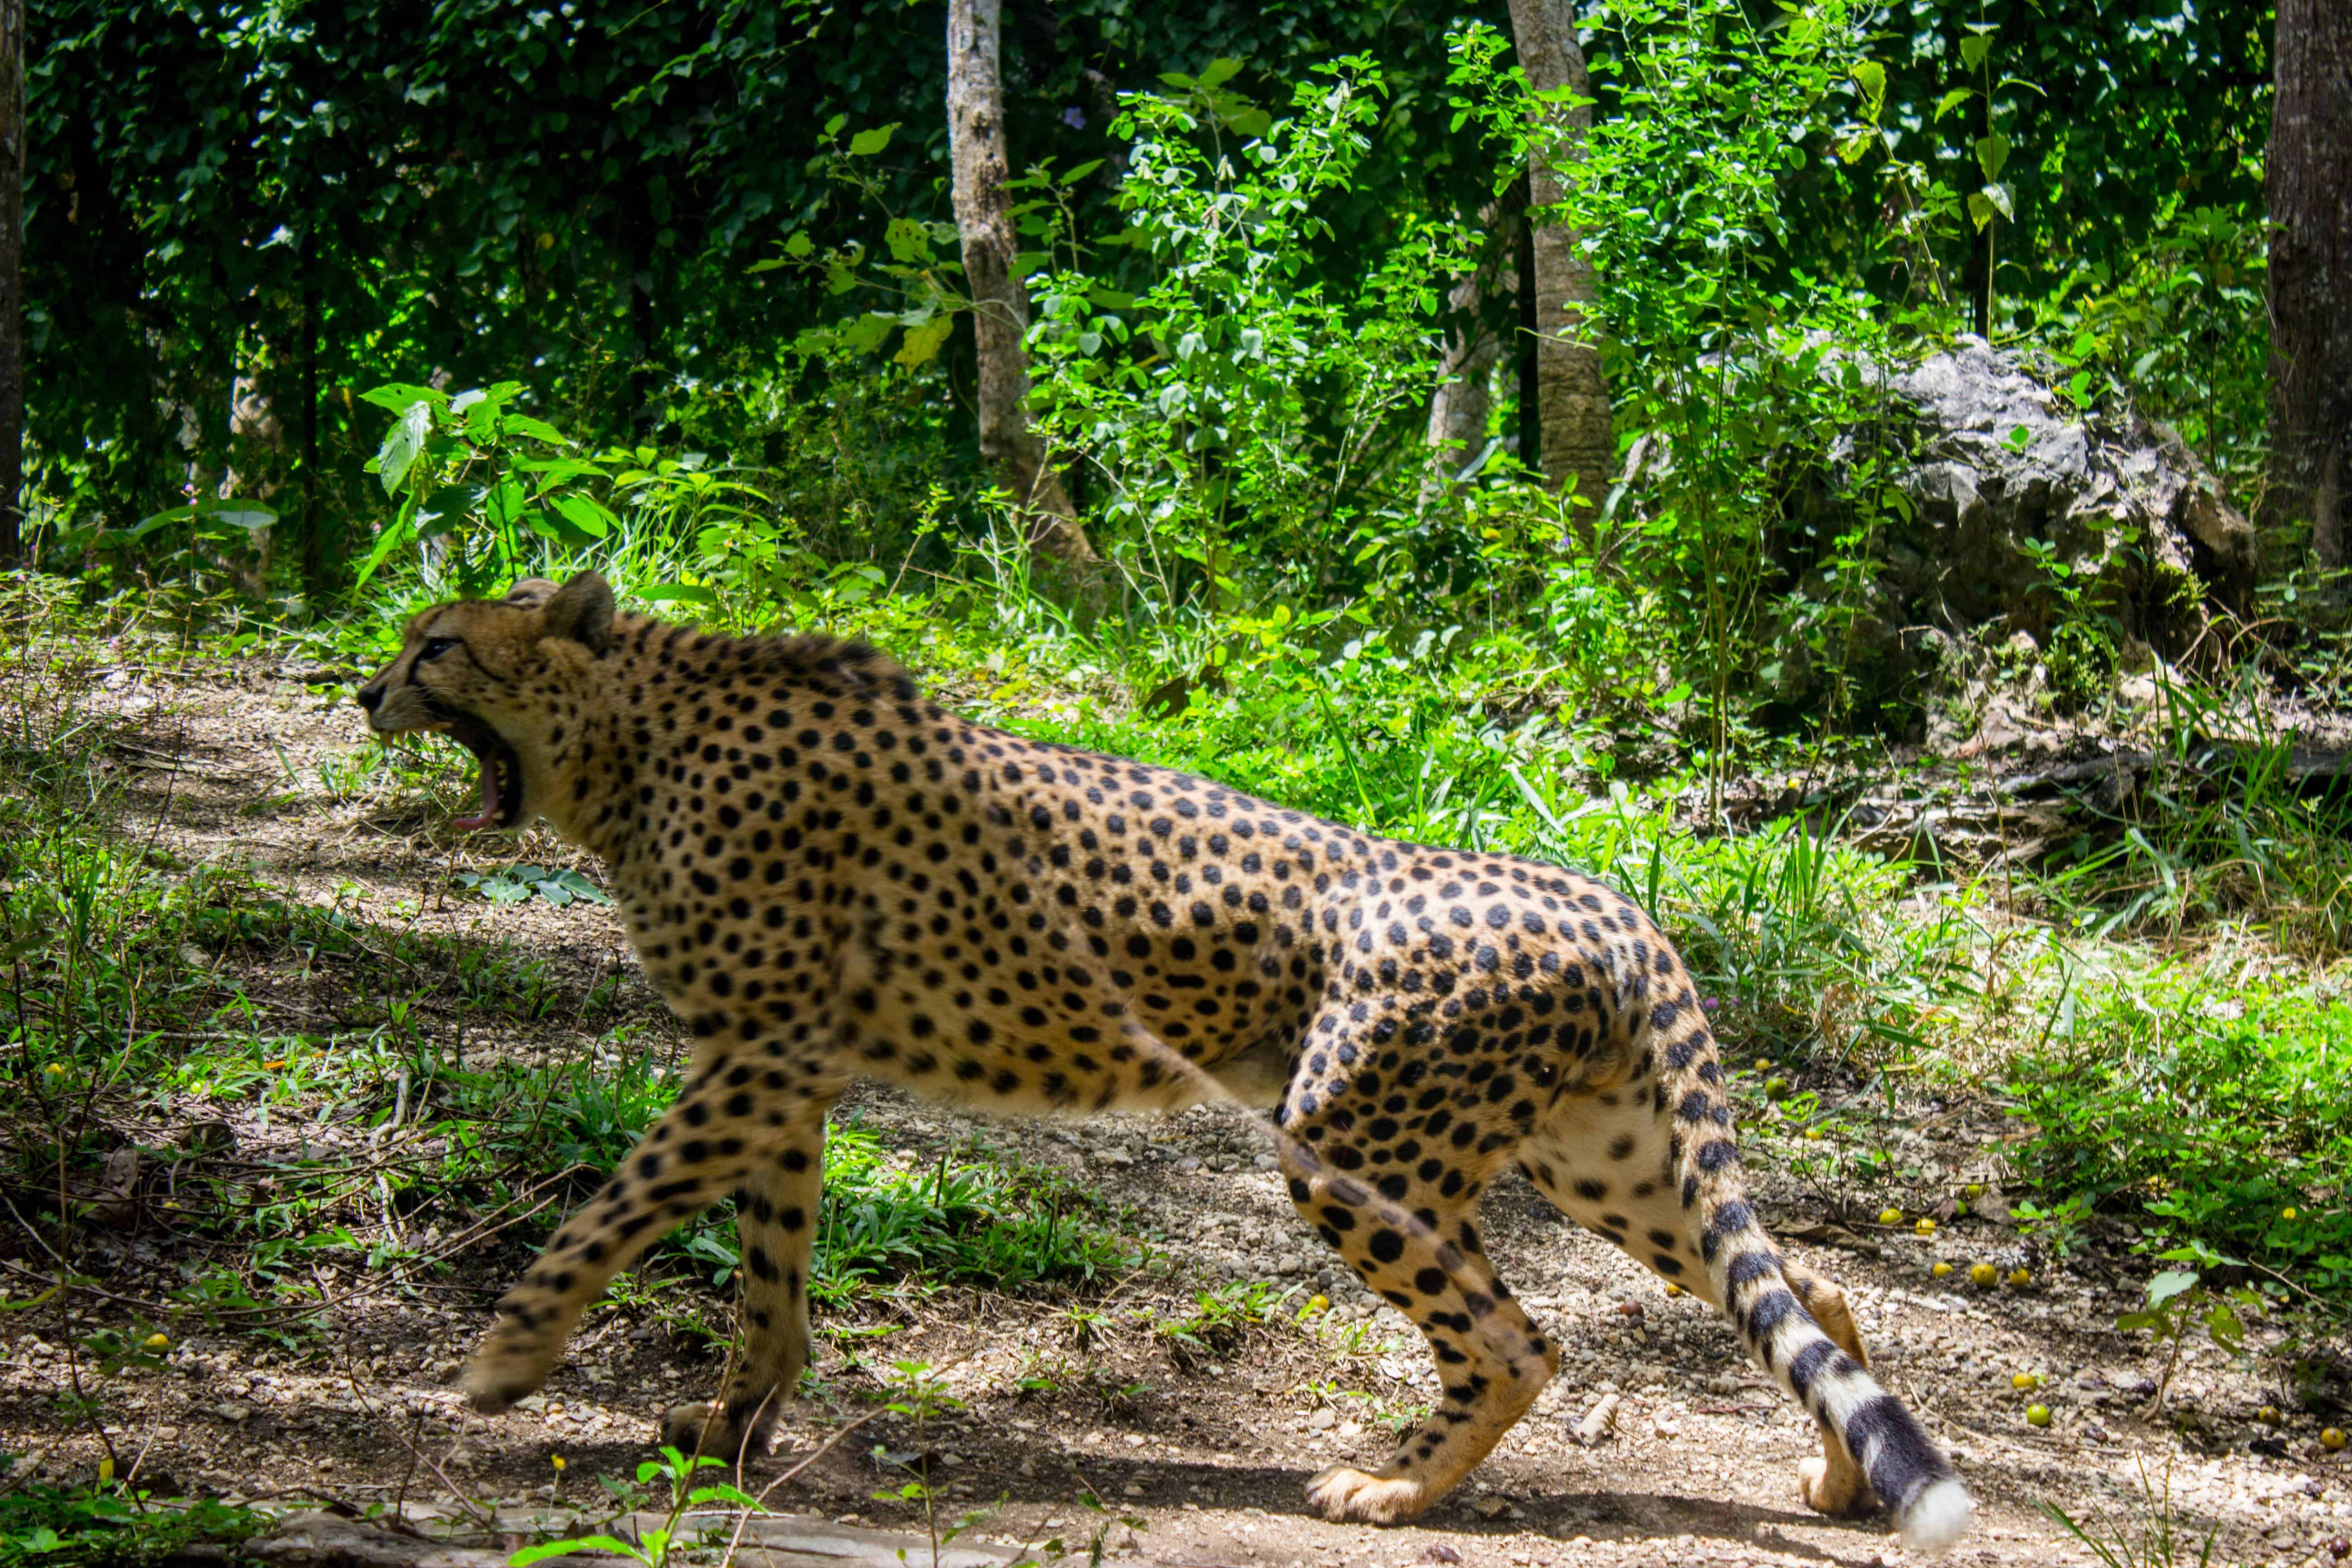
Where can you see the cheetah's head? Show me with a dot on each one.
(505, 679)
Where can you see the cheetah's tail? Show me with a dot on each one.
(1905, 1468)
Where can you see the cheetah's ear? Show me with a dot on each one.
(529, 594)
(581, 610)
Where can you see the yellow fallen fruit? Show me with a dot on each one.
(1974, 1189)
(2019, 1278)
(1776, 1089)
(1890, 1216)
(1812, 1134)
(2037, 1415)
(2332, 1439)
(1941, 1270)
(1925, 1226)
(1319, 1303)
(157, 1342)
(1673, 1291)
(2268, 1415)
(2023, 1381)
(1984, 1274)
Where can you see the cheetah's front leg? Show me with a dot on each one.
(1490, 1359)
(684, 1165)
(776, 1219)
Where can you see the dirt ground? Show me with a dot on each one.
(1196, 1460)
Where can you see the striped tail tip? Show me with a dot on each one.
(1937, 1518)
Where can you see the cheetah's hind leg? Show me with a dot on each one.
(1490, 1359)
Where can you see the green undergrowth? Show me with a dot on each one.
(113, 1527)
(2216, 1113)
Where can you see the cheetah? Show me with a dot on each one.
(829, 877)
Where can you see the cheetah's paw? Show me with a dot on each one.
(495, 1379)
(1837, 1495)
(1344, 1494)
(702, 1427)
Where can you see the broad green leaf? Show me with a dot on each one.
(1871, 77)
(923, 343)
(397, 396)
(1975, 48)
(536, 430)
(1221, 71)
(866, 333)
(147, 525)
(246, 514)
(400, 445)
(585, 514)
(1980, 211)
(678, 593)
(865, 143)
(1992, 154)
(911, 241)
(1081, 172)
(1953, 100)
(2170, 1283)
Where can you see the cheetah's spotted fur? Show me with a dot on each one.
(829, 877)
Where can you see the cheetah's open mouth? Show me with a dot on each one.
(501, 771)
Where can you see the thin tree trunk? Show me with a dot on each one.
(1577, 440)
(321, 573)
(1463, 403)
(12, 272)
(1000, 304)
(2310, 199)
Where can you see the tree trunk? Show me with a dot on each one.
(12, 272)
(321, 560)
(2310, 199)
(1576, 438)
(1459, 408)
(1000, 303)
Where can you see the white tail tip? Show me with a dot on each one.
(1937, 1518)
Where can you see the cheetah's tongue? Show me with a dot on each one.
(489, 812)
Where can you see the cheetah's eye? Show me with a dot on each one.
(434, 648)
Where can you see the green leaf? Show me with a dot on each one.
(1976, 47)
(586, 515)
(400, 445)
(1953, 100)
(1221, 71)
(1992, 154)
(1871, 77)
(923, 343)
(798, 244)
(866, 333)
(547, 1549)
(865, 143)
(397, 396)
(678, 593)
(536, 430)
(2170, 1283)
(1073, 176)
(911, 241)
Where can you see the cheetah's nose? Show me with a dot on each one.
(371, 697)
